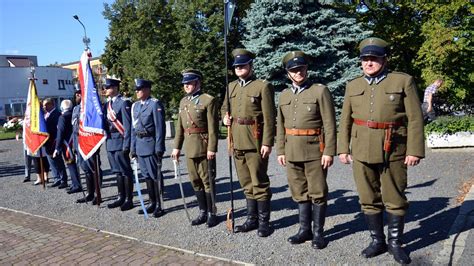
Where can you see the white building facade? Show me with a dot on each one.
(15, 71)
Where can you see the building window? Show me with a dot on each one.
(45, 81)
(61, 84)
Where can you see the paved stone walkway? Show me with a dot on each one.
(27, 239)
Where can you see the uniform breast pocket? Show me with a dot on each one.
(393, 96)
(356, 97)
(285, 106)
(253, 100)
(200, 112)
(310, 105)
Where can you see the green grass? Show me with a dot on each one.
(7, 135)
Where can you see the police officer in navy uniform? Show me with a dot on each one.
(148, 142)
(118, 127)
(86, 165)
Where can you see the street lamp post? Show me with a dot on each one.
(85, 39)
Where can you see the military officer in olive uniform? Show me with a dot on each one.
(198, 126)
(306, 144)
(148, 142)
(118, 127)
(252, 120)
(381, 132)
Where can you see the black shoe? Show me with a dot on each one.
(56, 183)
(252, 218)
(88, 198)
(396, 225)
(305, 232)
(127, 205)
(319, 217)
(62, 185)
(202, 218)
(212, 220)
(378, 245)
(74, 190)
(158, 213)
(264, 227)
(27, 179)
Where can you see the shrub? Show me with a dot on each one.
(447, 125)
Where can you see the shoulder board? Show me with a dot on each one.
(126, 99)
(154, 99)
(399, 73)
(207, 96)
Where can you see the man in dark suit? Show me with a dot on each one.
(117, 114)
(51, 115)
(64, 145)
(148, 141)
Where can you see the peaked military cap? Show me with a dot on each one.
(242, 57)
(190, 74)
(373, 47)
(111, 83)
(295, 59)
(142, 83)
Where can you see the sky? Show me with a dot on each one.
(47, 29)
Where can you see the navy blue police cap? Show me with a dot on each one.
(111, 83)
(142, 83)
(242, 57)
(373, 47)
(190, 74)
(295, 59)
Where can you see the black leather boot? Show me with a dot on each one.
(395, 233)
(128, 187)
(319, 216)
(201, 199)
(211, 211)
(158, 212)
(378, 245)
(252, 218)
(151, 196)
(264, 210)
(121, 193)
(304, 233)
(90, 190)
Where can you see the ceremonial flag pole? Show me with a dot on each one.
(229, 8)
(34, 125)
(91, 124)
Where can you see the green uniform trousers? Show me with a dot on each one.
(198, 173)
(307, 181)
(380, 187)
(252, 173)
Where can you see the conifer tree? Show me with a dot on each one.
(330, 36)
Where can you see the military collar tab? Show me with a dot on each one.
(245, 82)
(297, 89)
(377, 79)
(194, 95)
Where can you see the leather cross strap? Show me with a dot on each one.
(377, 125)
(195, 130)
(302, 132)
(244, 121)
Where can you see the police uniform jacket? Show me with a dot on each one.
(312, 108)
(254, 100)
(148, 130)
(64, 130)
(391, 99)
(115, 140)
(52, 128)
(198, 111)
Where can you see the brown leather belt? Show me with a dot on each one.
(195, 130)
(244, 121)
(377, 125)
(302, 132)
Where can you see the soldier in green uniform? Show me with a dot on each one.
(252, 121)
(383, 123)
(198, 125)
(306, 144)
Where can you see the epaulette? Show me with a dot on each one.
(360, 76)
(154, 99)
(399, 73)
(208, 96)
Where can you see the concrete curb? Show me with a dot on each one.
(454, 246)
(132, 238)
